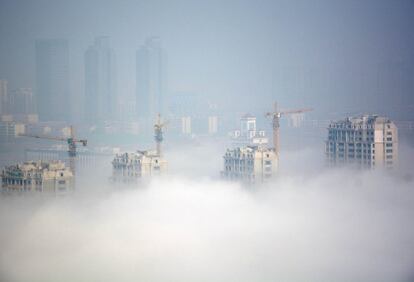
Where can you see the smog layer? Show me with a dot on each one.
(333, 225)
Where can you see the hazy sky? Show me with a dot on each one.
(331, 55)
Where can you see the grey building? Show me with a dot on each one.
(21, 102)
(365, 141)
(100, 81)
(52, 80)
(150, 80)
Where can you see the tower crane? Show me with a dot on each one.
(71, 141)
(158, 134)
(275, 116)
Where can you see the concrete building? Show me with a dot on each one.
(186, 125)
(10, 130)
(21, 102)
(131, 167)
(212, 125)
(47, 177)
(251, 164)
(3, 97)
(52, 80)
(150, 80)
(366, 141)
(100, 83)
(248, 135)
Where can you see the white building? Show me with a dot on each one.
(130, 167)
(367, 141)
(250, 164)
(48, 177)
(248, 135)
(186, 125)
(212, 125)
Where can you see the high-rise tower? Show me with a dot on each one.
(150, 80)
(52, 80)
(100, 82)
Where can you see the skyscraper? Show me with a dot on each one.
(52, 80)
(100, 93)
(3, 96)
(150, 80)
(21, 101)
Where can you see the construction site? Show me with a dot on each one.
(134, 166)
(256, 162)
(249, 156)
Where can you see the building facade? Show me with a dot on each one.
(150, 80)
(131, 167)
(52, 80)
(3, 97)
(100, 81)
(9, 131)
(251, 164)
(248, 135)
(30, 177)
(365, 141)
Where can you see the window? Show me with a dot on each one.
(268, 162)
(62, 182)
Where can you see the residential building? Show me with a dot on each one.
(366, 141)
(131, 167)
(21, 102)
(186, 125)
(47, 177)
(10, 130)
(251, 164)
(52, 80)
(212, 125)
(248, 135)
(100, 82)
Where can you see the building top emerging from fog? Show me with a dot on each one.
(248, 134)
(251, 164)
(367, 141)
(50, 177)
(129, 167)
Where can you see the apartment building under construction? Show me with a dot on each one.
(251, 164)
(366, 141)
(130, 167)
(51, 177)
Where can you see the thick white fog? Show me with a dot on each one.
(325, 225)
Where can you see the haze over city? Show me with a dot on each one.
(206, 140)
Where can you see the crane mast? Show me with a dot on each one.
(275, 116)
(158, 134)
(71, 141)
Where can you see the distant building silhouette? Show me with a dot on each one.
(100, 82)
(21, 101)
(3, 97)
(150, 80)
(52, 80)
